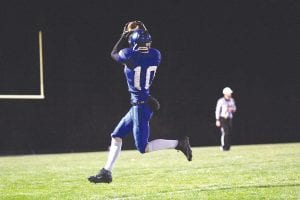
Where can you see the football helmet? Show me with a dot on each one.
(140, 40)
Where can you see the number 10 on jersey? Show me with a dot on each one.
(137, 77)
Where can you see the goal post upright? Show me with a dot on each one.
(42, 92)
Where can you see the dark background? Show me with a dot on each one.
(251, 46)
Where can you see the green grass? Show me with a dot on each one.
(246, 172)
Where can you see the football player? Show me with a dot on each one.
(140, 63)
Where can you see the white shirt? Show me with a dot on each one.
(225, 108)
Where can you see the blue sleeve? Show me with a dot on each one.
(158, 57)
(123, 56)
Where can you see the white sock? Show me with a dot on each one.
(114, 152)
(160, 144)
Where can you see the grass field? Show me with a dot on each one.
(246, 172)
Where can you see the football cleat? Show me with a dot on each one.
(184, 146)
(104, 176)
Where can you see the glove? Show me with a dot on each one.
(125, 32)
(153, 103)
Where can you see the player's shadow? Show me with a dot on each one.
(216, 188)
(251, 186)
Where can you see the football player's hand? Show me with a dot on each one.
(125, 27)
(153, 103)
(140, 25)
(125, 32)
(218, 123)
(129, 28)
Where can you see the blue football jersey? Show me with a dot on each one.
(140, 68)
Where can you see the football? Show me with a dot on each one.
(132, 26)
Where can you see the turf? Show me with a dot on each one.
(246, 172)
